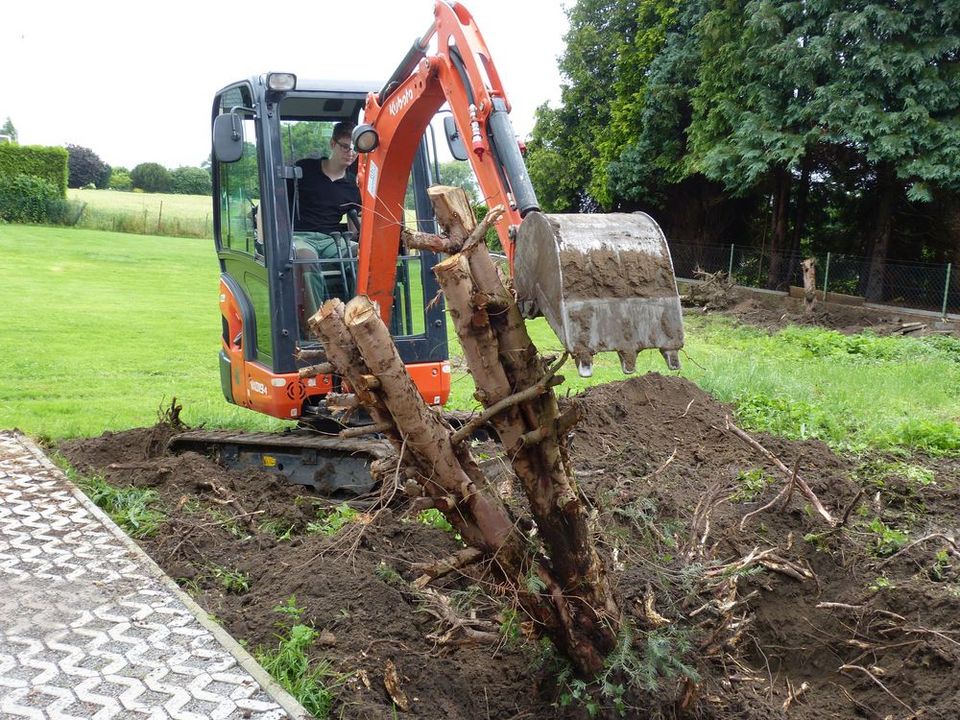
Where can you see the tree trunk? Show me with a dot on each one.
(778, 226)
(562, 585)
(886, 192)
(503, 360)
(800, 218)
(809, 285)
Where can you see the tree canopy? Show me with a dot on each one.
(823, 124)
(86, 168)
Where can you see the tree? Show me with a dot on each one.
(151, 177)
(120, 179)
(564, 160)
(9, 130)
(85, 168)
(191, 181)
(459, 174)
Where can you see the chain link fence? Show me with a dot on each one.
(923, 286)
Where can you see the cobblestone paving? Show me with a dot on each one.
(86, 629)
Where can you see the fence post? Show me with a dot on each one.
(730, 265)
(826, 278)
(946, 290)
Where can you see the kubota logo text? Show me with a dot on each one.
(398, 103)
(258, 387)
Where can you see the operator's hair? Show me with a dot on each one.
(344, 129)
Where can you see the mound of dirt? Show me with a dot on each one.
(786, 617)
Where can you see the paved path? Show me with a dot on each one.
(89, 625)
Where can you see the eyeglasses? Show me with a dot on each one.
(346, 147)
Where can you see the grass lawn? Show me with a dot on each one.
(101, 329)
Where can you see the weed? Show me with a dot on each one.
(130, 508)
(290, 610)
(308, 681)
(642, 514)
(752, 484)
(280, 529)
(879, 473)
(331, 522)
(227, 522)
(888, 540)
(192, 505)
(435, 518)
(533, 582)
(941, 566)
(510, 629)
(189, 586)
(936, 437)
(660, 658)
(389, 575)
(465, 599)
(233, 581)
(880, 583)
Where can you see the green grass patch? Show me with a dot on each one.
(330, 522)
(233, 581)
(133, 509)
(309, 681)
(102, 329)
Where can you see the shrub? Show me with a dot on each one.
(120, 179)
(26, 199)
(151, 177)
(86, 168)
(191, 181)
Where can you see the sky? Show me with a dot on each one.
(134, 81)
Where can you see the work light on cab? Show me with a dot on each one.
(281, 82)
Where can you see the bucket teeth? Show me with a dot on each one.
(584, 365)
(628, 361)
(672, 358)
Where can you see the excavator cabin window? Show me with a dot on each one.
(326, 263)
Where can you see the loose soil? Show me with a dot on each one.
(774, 311)
(670, 485)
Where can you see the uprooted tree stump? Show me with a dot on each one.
(556, 573)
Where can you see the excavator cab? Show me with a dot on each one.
(274, 278)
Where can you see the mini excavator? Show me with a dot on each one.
(604, 282)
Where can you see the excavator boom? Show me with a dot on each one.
(603, 282)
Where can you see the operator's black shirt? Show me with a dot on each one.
(322, 201)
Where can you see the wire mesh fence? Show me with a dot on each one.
(918, 285)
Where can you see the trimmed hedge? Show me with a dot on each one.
(46, 163)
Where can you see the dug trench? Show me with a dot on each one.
(776, 615)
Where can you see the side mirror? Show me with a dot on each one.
(454, 140)
(228, 137)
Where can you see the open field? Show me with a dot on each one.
(145, 213)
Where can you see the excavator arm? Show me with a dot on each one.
(603, 282)
(461, 73)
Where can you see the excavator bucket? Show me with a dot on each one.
(603, 282)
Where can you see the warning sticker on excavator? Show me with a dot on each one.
(269, 461)
(373, 176)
